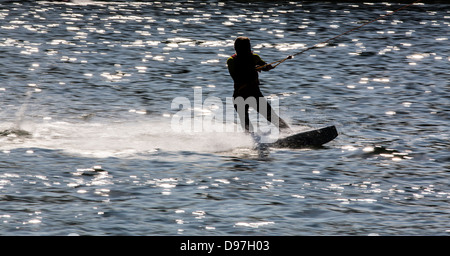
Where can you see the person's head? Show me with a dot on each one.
(242, 45)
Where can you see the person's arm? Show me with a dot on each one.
(231, 67)
(260, 62)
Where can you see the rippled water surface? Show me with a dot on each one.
(87, 146)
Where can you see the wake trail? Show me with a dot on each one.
(118, 138)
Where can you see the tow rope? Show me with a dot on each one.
(322, 44)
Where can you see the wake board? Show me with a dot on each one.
(308, 139)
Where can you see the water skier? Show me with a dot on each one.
(243, 69)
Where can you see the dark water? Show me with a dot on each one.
(86, 145)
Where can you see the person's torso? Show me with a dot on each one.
(243, 71)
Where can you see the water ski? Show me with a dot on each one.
(308, 139)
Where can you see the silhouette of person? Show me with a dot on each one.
(243, 69)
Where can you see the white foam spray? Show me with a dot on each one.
(122, 138)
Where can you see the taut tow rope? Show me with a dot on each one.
(319, 45)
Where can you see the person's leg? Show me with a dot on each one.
(242, 107)
(266, 110)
